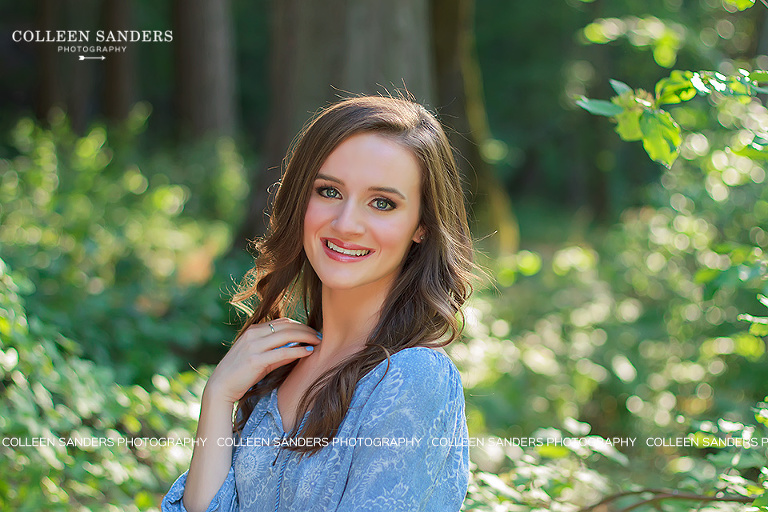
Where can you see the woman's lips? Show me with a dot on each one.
(341, 251)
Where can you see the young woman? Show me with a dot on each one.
(355, 407)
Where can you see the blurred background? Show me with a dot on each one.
(617, 292)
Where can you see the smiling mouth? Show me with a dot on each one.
(346, 252)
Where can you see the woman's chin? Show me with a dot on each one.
(352, 283)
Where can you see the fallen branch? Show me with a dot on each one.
(663, 494)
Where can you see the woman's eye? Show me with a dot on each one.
(328, 192)
(383, 204)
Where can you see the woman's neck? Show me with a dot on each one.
(349, 317)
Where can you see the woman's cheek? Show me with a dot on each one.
(395, 232)
(314, 215)
(311, 223)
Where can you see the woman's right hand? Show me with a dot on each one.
(254, 354)
(257, 352)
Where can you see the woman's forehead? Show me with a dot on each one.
(370, 159)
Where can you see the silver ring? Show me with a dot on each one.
(272, 327)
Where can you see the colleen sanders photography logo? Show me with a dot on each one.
(91, 42)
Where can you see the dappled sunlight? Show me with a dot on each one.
(615, 351)
(81, 422)
(636, 336)
(89, 225)
(665, 39)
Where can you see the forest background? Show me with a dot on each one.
(626, 298)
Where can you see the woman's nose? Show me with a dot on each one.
(348, 219)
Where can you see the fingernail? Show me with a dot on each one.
(310, 348)
(319, 335)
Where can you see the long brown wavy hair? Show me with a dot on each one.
(424, 306)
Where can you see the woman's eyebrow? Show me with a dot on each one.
(376, 189)
(388, 189)
(329, 178)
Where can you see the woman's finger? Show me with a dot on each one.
(267, 337)
(287, 336)
(284, 355)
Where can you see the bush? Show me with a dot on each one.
(641, 332)
(119, 257)
(82, 420)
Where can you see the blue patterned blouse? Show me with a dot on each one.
(402, 447)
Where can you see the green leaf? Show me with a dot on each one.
(628, 125)
(705, 275)
(620, 87)
(698, 82)
(751, 152)
(498, 485)
(761, 415)
(754, 319)
(143, 500)
(528, 263)
(594, 33)
(661, 136)
(761, 503)
(741, 5)
(506, 276)
(552, 451)
(758, 76)
(758, 330)
(677, 88)
(600, 107)
(749, 346)
(739, 86)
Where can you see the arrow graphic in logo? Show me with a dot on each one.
(83, 57)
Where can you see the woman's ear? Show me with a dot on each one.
(418, 237)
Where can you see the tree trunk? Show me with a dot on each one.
(462, 108)
(324, 51)
(80, 74)
(119, 69)
(49, 87)
(205, 82)
(71, 93)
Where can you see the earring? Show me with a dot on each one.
(421, 238)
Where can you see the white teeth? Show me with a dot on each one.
(348, 252)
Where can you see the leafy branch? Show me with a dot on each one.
(743, 5)
(639, 114)
(759, 325)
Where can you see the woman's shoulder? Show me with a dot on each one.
(418, 387)
(422, 369)
(425, 358)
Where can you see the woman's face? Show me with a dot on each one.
(363, 213)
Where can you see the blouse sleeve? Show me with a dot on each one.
(412, 452)
(225, 499)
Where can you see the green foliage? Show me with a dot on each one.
(600, 107)
(649, 329)
(642, 332)
(119, 256)
(663, 37)
(569, 160)
(660, 135)
(624, 340)
(693, 259)
(759, 325)
(71, 424)
(639, 115)
(740, 4)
